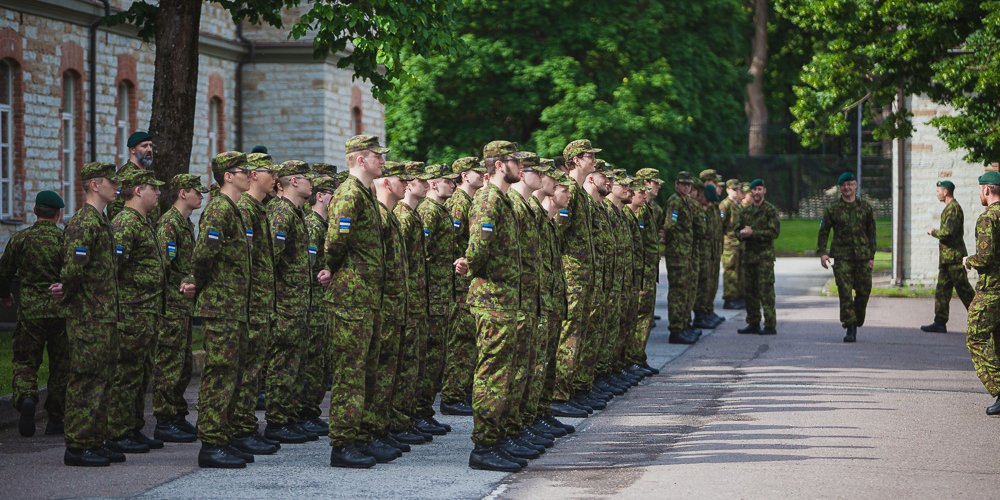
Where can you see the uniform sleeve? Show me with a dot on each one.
(343, 214)
(8, 265)
(771, 230)
(77, 250)
(950, 220)
(281, 227)
(482, 219)
(124, 236)
(985, 250)
(208, 246)
(870, 232)
(824, 232)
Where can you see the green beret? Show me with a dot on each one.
(228, 160)
(260, 161)
(259, 148)
(328, 185)
(950, 186)
(97, 169)
(49, 199)
(711, 193)
(324, 169)
(756, 182)
(138, 177)
(684, 177)
(845, 177)
(467, 163)
(364, 143)
(579, 147)
(292, 167)
(396, 169)
(733, 184)
(137, 138)
(495, 149)
(187, 181)
(440, 171)
(990, 178)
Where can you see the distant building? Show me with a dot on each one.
(298, 107)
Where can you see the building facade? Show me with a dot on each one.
(254, 87)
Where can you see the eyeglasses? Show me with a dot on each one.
(235, 171)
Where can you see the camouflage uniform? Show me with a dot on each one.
(34, 257)
(461, 358)
(89, 278)
(411, 363)
(633, 291)
(221, 264)
(494, 263)
(118, 204)
(621, 313)
(355, 255)
(553, 300)
(678, 226)
(173, 363)
(141, 280)
(728, 212)
(951, 273)
(650, 270)
(758, 260)
(314, 361)
(575, 227)
(708, 285)
(853, 247)
(439, 241)
(600, 303)
(528, 337)
(984, 322)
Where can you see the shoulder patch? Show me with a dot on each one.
(280, 236)
(172, 250)
(487, 227)
(456, 223)
(248, 232)
(213, 234)
(80, 251)
(563, 212)
(427, 232)
(674, 216)
(344, 225)
(119, 250)
(313, 250)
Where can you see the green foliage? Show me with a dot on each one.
(872, 49)
(641, 79)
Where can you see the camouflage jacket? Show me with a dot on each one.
(713, 219)
(987, 260)
(529, 241)
(951, 234)
(458, 205)
(292, 271)
(33, 257)
(441, 252)
(620, 248)
(603, 245)
(395, 292)
(317, 227)
(141, 263)
(412, 229)
(175, 234)
(355, 253)
(118, 203)
(553, 286)
(636, 260)
(576, 232)
(262, 276)
(678, 226)
(90, 274)
(763, 219)
(494, 255)
(699, 229)
(853, 227)
(221, 262)
(650, 244)
(729, 212)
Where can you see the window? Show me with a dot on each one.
(6, 140)
(122, 125)
(356, 123)
(215, 132)
(69, 153)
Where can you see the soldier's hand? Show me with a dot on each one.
(56, 289)
(188, 290)
(965, 262)
(324, 277)
(824, 260)
(7, 301)
(746, 232)
(930, 231)
(461, 266)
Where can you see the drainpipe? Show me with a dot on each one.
(238, 79)
(898, 212)
(92, 94)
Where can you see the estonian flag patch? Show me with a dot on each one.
(563, 212)
(487, 227)
(344, 225)
(213, 235)
(280, 236)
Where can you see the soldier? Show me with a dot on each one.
(493, 260)
(708, 285)
(89, 293)
(678, 228)
(34, 257)
(653, 182)
(439, 245)
(577, 248)
(356, 259)
(141, 279)
(746, 200)
(140, 157)
(729, 209)
(984, 322)
(853, 251)
(221, 268)
(461, 359)
(649, 270)
(625, 285)
(951, 245)
(173, 361)
(293, 274)
(758, 226)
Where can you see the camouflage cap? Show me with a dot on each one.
(709, 175)
(529, 159)
(328, 185)
(440, 171)
(603, 167)
(745, 187)
(260, 161)
(684, 177)
(396, 169)
(548, 163)
(416, 169)
(733, 184)
(97, 169)
(292, 167)
(638, 185)
(188, 181)
(562, 178)
(579, 147)
(323, 169)
(623, 180)
(340, 177)
(467, 163)
(648, 174)
(228, 160)
(495, 149)
(698, 184)
(138, 177)
(364, 143)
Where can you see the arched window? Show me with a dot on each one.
(356, 122)
(70, 153)
(6, 139)
(123, 124)
(216, 132)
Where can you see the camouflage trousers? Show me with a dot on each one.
(679, 296)
(731, 287)
(758, 292)
(91, 370)
(553, 327)
(218, 396)
(626, 329)
(312, 376)
(353, 361)
(614, 316)
(635, 351)
(592, 341)
(524, 390)
(378, 413)
(579, 290)
(461, 356)
(496, 336)
(253, 375)
(434, 358)
(708, 284)
(32, 337)
(285, 353)
(983, 336)
(172, 368)
(133, 371)
(404, 400)
(951, 276)
(854, 286)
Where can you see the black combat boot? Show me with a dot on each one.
(26, 422)
(935, 327)
(769, 330)
(487, 458)
(994, 409)
(513, 448)
(564, 409)
(139, 437)
(680, 337)
(381, 452)
(284, 434)
(170, 431)
(750, 329)
(219, 457)
(126, 444)
(54, 426)
(852, 334)
(248, 443)
(427, 426)
(112, 456)
(84, 458)
(350, 457)
(460, 408)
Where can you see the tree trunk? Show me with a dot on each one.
(756, 107)
(175, 85)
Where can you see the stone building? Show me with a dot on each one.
(61, 108)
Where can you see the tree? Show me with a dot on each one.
(639, 78)
(376, 32)
(871, 51)
(756, 103)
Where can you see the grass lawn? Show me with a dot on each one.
(798, 236)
